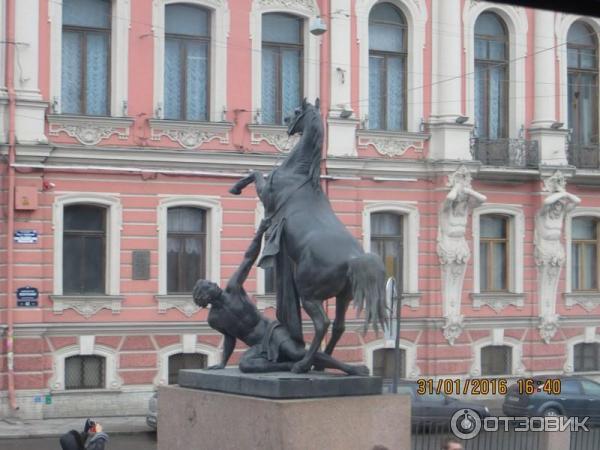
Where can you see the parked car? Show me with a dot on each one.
(152, 416)
(436, 408)
(578, 397)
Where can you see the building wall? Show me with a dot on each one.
(138, 161)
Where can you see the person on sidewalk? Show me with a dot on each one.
(96, 439)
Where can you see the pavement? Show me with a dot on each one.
(14, 428)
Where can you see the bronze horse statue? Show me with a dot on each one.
(315, 256)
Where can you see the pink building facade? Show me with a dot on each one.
(461, 145)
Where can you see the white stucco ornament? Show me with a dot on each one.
(549, 252)
(452, 247)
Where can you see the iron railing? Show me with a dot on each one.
(584, 156)
(506, 152)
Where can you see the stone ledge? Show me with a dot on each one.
(86, 305)
(190, 134)
(182, 302)
(587, 300)
(275, 135)
(498, 301)
(392, 143)
(89, 130)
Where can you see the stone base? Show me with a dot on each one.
(192, 418)
(279, 384)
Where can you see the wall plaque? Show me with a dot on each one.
(140, 260)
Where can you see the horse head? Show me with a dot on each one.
(303, 116)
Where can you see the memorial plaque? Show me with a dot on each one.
(141, 264)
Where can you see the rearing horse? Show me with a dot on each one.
(315, 255)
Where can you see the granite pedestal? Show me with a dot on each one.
(190, 419)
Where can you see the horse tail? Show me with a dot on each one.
(367, 277)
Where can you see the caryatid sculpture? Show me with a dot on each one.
(549, 252)
(453, 250)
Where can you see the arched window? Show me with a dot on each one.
(186, 248)
(383, 363)
(491, 79)
(582, 63)
(387, 68)
(493, 253)
(187, 44)
(586, 357)
(496, 360)
(282, 52)
(84, 249)
(85, 372)
(180, 361)
(387, 240)
(584, 254)
(86, 57)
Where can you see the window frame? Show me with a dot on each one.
(505, 348)
(488, 64)
(584, 345)
(585, 242)
(489, 242)
(397, 239)
(412, 370)
(182, 39)
(84, 32)
(385, 56)
(280, 47)
(214, 220)
(189, 344)
(497, 338)
(118, 48)
(113, 238)
(82, 359)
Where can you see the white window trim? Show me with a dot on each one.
(119, 56)
(562, 24)
(516, 236)
(515, 19)
(2, 48)
(577, 212)
(213, 356)
(219, 33)
(411, 230)
(306, 9)
(410, 352)
(214, 213)
(498, 339)
(589, 337)
(114, 223)
(111, 377)
(415, 13)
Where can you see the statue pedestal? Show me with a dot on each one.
(194, 418)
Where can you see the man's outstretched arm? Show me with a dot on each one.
(240, 275)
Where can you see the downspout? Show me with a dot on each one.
(10, 86)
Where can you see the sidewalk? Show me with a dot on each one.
(15, 428)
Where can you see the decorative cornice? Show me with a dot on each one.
(86, 305)
(89, 130)
(587, 300)
(183, 303)
(190, 135)
(389, 143)
(274, 135)
(498, 301)
(308, 5)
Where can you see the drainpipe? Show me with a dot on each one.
(10, 86)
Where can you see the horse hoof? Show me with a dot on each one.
(235, 191)
(299, 368)
(362, 371)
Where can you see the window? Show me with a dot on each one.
(491, 80)
(496, 360)
(84, 372)
(282, 55)
(84, 249)
(187, 44)
(587, 357)
(180, 361)
(387, 241)
(569, 387)
(86, 57)
(387, 68)
(590, 388)
(383, 363)
(493, 253)
(582, 82)
(584, 254)
(186, 248)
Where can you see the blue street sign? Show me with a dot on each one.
(27, 296)
(26, 236)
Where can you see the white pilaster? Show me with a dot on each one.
(449, 140)
(551, 142)
(340, 40)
